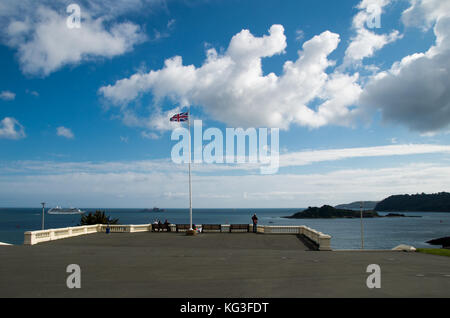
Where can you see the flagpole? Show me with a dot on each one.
(190, 181)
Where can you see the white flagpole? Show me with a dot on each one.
(190, 181)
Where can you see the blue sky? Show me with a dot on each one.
(84, 112)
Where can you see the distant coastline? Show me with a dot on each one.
(436, 202)
(329, 212)
(366, 205)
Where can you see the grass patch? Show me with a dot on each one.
(435, 251)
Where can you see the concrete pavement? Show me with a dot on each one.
(213, 265)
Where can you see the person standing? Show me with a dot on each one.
(167, 225)
(255, 222)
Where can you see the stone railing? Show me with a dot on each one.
(35, 237)
(114, 228)
(320, 240)
(278, 229)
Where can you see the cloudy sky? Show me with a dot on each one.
(360, 91)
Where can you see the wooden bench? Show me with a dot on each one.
(239, 228)
(211, 228)
(184, 227)
(160, 228)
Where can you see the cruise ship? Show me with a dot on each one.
(59, 210)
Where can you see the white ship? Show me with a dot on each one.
(59, 210)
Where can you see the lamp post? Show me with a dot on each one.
(43, 212)
(362, 226)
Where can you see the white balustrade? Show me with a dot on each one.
(35, 237)
(142, 228)
(322, 241)
(281, 229)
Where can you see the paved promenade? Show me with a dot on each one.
(212, 265)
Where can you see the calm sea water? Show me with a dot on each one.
(380, 233)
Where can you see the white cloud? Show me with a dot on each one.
(292, 159)
(169, 189)
(158, 121)
(171, 23)
(308, 157)
(299, 35)
(45, 44)
(232, 88)
(162, 181)
(31, 92)
(150, 135)
(416, 90)
(64, 132)
(424, 13)
(161, 34)
(10, 128)
(366, 42)
(7, 95)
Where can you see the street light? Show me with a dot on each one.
(43, 211)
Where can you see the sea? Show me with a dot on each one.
(379, 233)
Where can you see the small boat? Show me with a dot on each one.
(59, 210)
(155, 209)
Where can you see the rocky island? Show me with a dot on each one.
(329, 212)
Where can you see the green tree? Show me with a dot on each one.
(98, 217)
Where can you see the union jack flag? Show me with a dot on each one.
(180, 117)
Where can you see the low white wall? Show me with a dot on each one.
(35, 237)
(323, 241)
